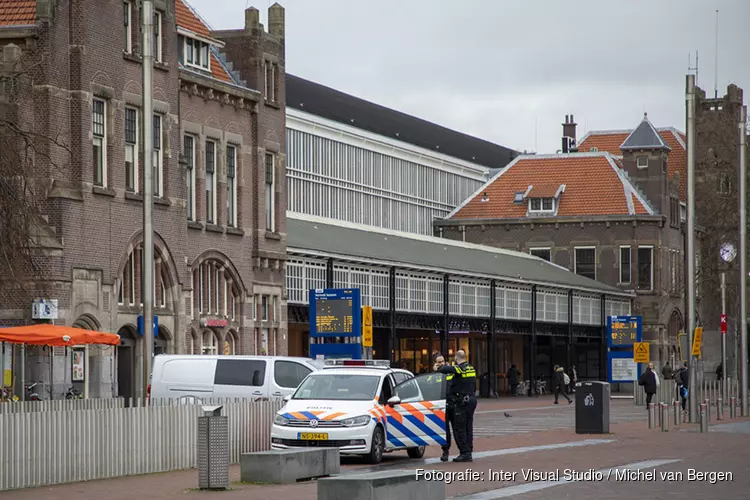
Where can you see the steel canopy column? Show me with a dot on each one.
(603, 348)
(569, 356)
(446, 316)
(532, 349)
(392, 313)
(491, 339)
(329, 273)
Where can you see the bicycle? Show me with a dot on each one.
(32, 395)
(73, 393)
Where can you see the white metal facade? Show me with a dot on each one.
(347, 174)
(423, 293)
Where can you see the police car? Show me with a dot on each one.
(363, 407)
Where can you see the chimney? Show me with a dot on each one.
(569, 135)
(276, 20)
(252, 19)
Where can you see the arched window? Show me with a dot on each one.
(129, 289)
(215, 293)
(209, 344)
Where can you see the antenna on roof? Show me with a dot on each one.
(716, 59)
(690, 68)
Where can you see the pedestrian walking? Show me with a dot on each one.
(720, 372)
(649, 381)
(682, 379)
(449, 409)
(513, 376)
(573, 380)
(561, 381)
(461, 396)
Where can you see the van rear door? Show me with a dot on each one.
(241, 378)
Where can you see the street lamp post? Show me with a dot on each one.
(743, 258)
(690, 108)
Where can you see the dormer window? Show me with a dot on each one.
(642, 161)
(519, 197)
(540, 205)
(196, 54)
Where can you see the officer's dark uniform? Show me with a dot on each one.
(461, 399)
(448, 413)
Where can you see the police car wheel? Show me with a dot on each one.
(417, 452)
(376, 447)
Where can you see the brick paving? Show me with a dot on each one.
(634, 442)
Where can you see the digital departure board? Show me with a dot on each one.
(334, 316)
(624, 330)
(335, 312)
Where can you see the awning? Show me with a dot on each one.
(54, 335)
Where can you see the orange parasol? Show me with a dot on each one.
(54, 335)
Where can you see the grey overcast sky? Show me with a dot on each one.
(509, 71)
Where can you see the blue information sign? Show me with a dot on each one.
(156, 326)
(624, 331)
(335, 312)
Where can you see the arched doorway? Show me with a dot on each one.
(126, 362)
(209, 342)
(230, 343)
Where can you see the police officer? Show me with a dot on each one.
(460, 396)
(439, 363)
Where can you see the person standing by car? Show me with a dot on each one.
(461, 396)
(449, 410)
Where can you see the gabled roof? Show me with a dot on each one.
(587, 184)
(317, 99)
(611, 140)
(644, 136)
(17, 12)
(189, 20)
(312, 235)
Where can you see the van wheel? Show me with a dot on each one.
(376, 448)
(417, 452)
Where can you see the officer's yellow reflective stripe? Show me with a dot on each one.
(449, 377)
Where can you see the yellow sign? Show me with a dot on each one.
(367, 326)
(697, 339)
(641, 352)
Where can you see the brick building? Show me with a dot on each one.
(219, 182)
(610, 212)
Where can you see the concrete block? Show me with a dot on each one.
(384, 485)
(288, 466)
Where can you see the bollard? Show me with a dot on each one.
(651, 415)
(657, 409)
(704, 417)
(664, 417)
(707, 402)
(676, 406)
(720, 409)
(732, 408)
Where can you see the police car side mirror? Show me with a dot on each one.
(287, 397)
(395, 400)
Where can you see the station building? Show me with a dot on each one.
(365, 186)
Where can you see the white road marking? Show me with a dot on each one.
(520, 489)
(526, 449)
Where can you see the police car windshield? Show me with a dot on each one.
(338, 387)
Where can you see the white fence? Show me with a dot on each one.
(62, 405)
(64, 445)
(707, 389)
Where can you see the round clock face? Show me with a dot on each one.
(728, 252)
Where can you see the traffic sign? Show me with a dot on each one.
(723, 324)
(697, 339)
(641, 352)
(366, 326)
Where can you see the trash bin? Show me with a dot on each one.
(484, 385)
(592, 407)
(213, 449)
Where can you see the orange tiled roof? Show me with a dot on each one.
(17, 12)
(186, 19)
(543, 190)
(594, 185)
(218, 71)
(610, 142)
(604, 141)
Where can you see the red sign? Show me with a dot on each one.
(215, 322)
(723, 324)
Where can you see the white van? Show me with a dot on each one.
(193, 377)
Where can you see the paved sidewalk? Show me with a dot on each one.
(629, 443)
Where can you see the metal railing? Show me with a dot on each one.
(708, 389)
(61, 405)
(79, 443)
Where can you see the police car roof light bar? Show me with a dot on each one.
(381, 363)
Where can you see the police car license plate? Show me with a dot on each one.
(312, 436)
